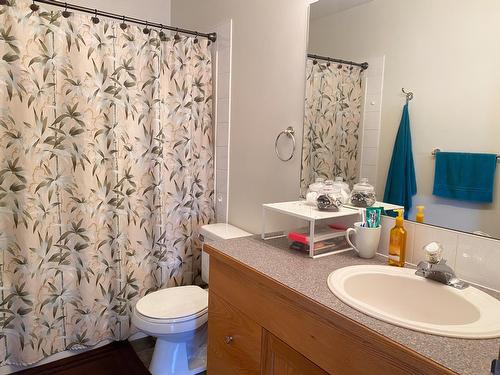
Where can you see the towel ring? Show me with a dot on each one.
(289, 132)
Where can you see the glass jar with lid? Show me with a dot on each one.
(330, 197)
(344, 188)
(363, 194)
(314, 190)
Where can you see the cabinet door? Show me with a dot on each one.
(234, 340)
(280, 359)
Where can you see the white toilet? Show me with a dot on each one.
(177, 317)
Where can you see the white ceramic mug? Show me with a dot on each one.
(366, 240)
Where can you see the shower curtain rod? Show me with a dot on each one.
(210, 36)
(363, 66)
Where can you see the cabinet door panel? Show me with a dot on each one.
(234, 340)
(280, 359)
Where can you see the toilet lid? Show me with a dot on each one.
(174, 303)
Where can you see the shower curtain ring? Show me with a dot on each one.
(196, 37)
(161, 34)
(65, 12)
(146, 30)
(123, 25)
(95, 19)
(177, 37)
(34, 7)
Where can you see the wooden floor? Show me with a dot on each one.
(144, 349)
(116, 358)
(121, 357)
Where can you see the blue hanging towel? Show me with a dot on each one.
(401, 184)
(465, 176)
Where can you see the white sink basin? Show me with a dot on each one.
(397, 296)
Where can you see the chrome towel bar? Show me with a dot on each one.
(436, 150)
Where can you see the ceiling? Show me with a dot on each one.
(323, 8)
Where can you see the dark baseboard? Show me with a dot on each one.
(116, 358)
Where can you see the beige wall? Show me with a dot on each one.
(151, 10)
(267, 91)
(447, 53)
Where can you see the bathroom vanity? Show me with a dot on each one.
(271, 312)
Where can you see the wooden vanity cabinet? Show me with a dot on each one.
(279, 358)
(234, 340)
(259, 326)
(238, 345)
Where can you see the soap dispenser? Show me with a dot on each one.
(397, 242)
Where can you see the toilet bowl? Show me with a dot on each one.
(177, 317)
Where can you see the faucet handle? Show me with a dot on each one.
(433, 252)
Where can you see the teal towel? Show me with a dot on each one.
(401, 184)
(465, 176)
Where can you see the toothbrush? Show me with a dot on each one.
(363, 217)
(372, 219)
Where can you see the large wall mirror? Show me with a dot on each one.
(445, 52)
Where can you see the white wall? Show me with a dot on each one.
(151, 10)
(447, 53)
(267, 93)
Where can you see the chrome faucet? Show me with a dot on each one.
(435, 268)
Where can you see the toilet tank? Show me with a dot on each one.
(219, 231)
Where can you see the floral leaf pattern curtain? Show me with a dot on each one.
(106, 174)
(332, 120)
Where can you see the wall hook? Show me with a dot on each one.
(409, 95)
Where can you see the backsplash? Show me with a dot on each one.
(474, 259)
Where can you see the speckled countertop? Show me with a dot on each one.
(309, 277)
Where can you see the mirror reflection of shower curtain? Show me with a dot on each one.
(331, 122)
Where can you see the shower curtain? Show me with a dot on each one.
(106, 174)
(332, 120)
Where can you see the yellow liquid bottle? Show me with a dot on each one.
(420, 214)
(397, 243)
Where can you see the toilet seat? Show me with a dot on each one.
(177, 304)
(171, 321)
(172, 310)
(158, 327)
